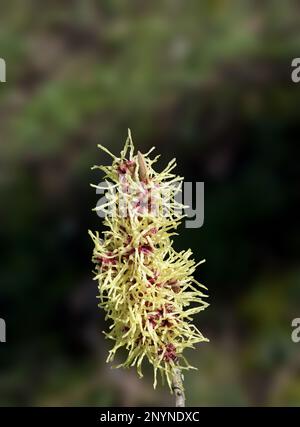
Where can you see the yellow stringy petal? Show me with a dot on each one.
(145, 287)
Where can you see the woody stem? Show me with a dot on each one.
(177, 386)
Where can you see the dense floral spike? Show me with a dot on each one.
(146, 287)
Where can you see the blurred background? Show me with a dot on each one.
(207, 82)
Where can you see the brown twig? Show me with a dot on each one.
(178, 389)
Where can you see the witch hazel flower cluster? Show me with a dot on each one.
(146, 287)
